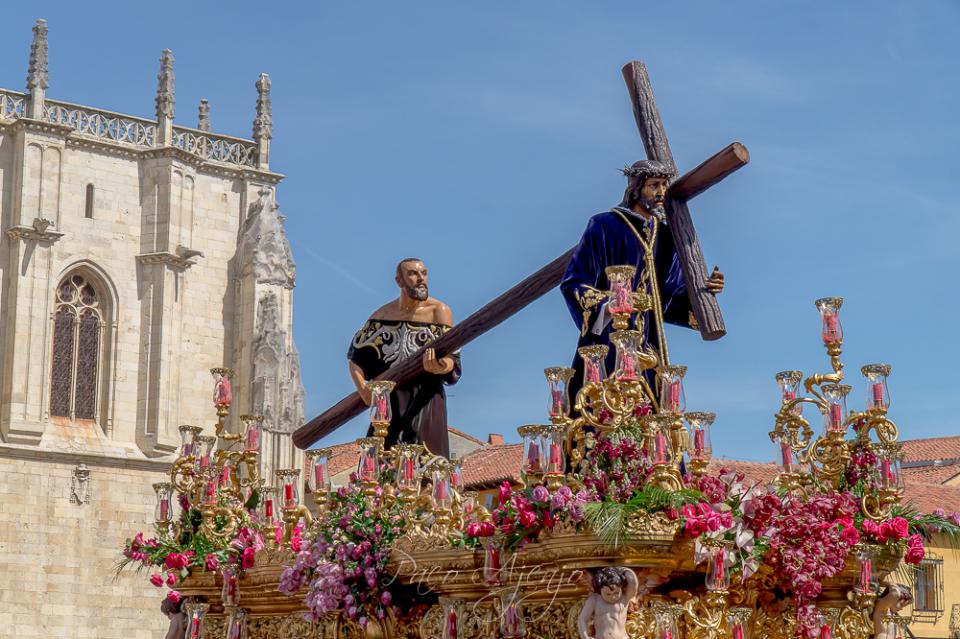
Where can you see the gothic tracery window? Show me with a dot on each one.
(77, 335)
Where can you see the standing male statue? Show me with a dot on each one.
(631, 234)
(394, 332)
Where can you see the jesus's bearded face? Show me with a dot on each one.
(412, 278)
(653, 195)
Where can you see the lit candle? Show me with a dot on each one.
(787, 396)
(666, 634)
(253, 439)
(381, 409)
(621, 299)
(866, 574)
(407, 469)
(440, 491)
(698, 442)
(268, 508)
(511, 617)
(236, 629)
(231, 588)
(830, 333)
(786, 456)
(836, 416)
(718, 572)
(661, 448)
(593, 372)
(533, 457)
(737, 631)
(628, 367)
(288, 494)
(318, 476)
(195, 628)
(556, 407)
(452, 632)
(211, 492)
(164, 509)
(222, 392)
(824, 631)
(204, 461)
(369, 467)
(225, 476)
(675, 395)
(885, 473)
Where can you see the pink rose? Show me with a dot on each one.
(174, 596)
(171, 579)
(211, 562)
(528, 518)
(871, 528)
(915, 551)
(487, 529)
(505, 492)
(850, 535)
(900, 527)
(296, 543)
(886, 531)
(693, 528)
(156, 579)
(177, 561)
(473, 529)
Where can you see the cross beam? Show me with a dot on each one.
(713, 170)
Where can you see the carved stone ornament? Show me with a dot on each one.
(37, 77)
(80, 485)
(165, 92)
(264, 248)
(263, 123)
(278, 389)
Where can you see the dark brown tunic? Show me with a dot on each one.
(420, 407)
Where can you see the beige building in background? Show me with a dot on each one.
(136, 255)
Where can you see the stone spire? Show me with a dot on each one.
(263, 123)
(203, 120)
(37, 79)
(165, 98)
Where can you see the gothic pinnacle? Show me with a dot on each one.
(263, 123)
(37, 69)
(165, 92)
(203, 121)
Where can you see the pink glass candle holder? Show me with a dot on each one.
(889, 459)
(222, 388)
(453, 625)
(268, 505)
(628, 345)
(492, 560)
(188, 437)
(666, 621)
(231, 587)
(699, 445)
(866, 581)
(594, 363)
(789, 382)
(196, 612)
(368, 468)
(237, 625)
(441, 492)
(559, 378)
(718, 573)
(204, 445)
(210, 489)
(878, 394)
(253, 432)
(407, 476)
(533, 456)
(164, 510)
(456, 475)
(831, 330)
(836, 412)
(317, 469)
(620, 295)
(554, 439)
(381, 411)
(470, 501)
(672, 398)
(662, 447)
(288, 479)
(511, 614)
(738, 621)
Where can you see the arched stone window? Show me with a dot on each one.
(78, 323)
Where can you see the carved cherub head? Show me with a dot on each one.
(609, 583)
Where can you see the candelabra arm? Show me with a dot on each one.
(707, 615)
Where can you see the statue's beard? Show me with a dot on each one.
(418, 292)
(654, 207)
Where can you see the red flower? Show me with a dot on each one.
(211, 562)
(850, 535)
(177, 561)
(915, 551)
(171, 579)
(156, 579)
(505, 490)
(473, 529)
(174, 596)
(487, 529)
(527, 518)
(247, 561)
(900, 527)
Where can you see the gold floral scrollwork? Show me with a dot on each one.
(779, 625)
(652, 526)
(544, 619)
(641, 623)
(706, 615)
(853, 624)
(431, 625)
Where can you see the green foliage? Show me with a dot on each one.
(609, 518)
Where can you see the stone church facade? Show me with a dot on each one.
(136, 255)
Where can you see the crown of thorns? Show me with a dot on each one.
(647, 169)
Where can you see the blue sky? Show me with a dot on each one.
(482, 136)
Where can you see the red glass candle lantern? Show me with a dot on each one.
(210, 488)
(288, 480)
(470, 501)
(316, 463)
(368, 468)
(554, 438)
(441, 491)
(188, 443)
(836, 413)
(672, 399)
(203, 447)
(789, 382)
(453, 625)
(533, 460)
(381, 412)
(661, 446)
(666, 619)
(825, 632)
(511, 615)
(269, 512)
(831, 330)
(196, 612)
(738, 620)
(699, 445)
(558, 378)
(253, 432)
(718, 573)
(878, 394)
(786, 458)
(628, 345)
(237, 628)
(889, 458)
(594, 363)
(620, 295)
(222, 388)
(407, 475)
(866, 580)
(231, 586)
(492, 560)
(456, 475)
(164, 510)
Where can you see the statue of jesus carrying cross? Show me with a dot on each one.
(630, 234)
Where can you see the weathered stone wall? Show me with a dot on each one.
(58, 556)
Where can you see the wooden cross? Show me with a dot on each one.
(704, 304)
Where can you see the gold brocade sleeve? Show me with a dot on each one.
(588, 298)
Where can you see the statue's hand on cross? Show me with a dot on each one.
(715, 281)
